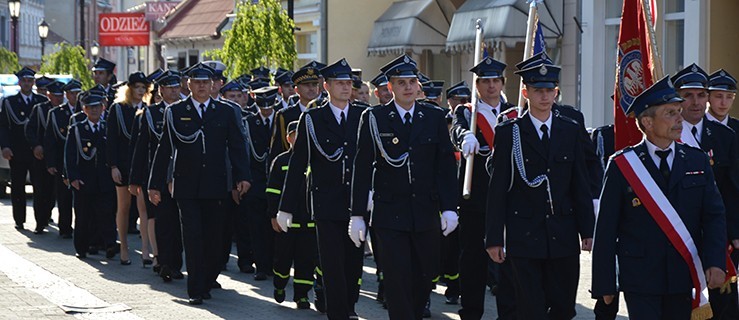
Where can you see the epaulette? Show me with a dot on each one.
(722, 126)
(425, 104)
(508, 122)
(620, 152)
(361, 104)
(566, 118)
(690, 147)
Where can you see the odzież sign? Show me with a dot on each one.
(123, 29)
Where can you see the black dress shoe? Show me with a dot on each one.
(259, 276)
(452, 300)
(215, 285)
(177, 275)
(19, 226)
(166, 274)
(195, 301)
(39, 231)
(110, 252)
(81, 256)
(126, 262)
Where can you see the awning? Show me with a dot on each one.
(502, 20)
(411, 25)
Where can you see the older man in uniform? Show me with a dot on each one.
(540, 204)
(405, 156)
(326, 142)
(15, 147)
(661, 229)
(200, 133)
(102, 74)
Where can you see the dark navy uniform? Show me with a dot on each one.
(168, 229)
(647, 264)
(94, 202)
(603, 140)
(120, 130)
(14, 116)
(253, 214)
(55, 137)
(199, 146)
(297, 247)
(42, 180)
(328, 148)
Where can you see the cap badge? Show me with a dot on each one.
(406, 60)
(723, 74)
(309, 72)
(543, 70)
(694, 69)
(343, 62)
(488, 61)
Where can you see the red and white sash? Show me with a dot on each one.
(662, 211)
(484, 125)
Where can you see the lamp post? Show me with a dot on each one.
(94, 51)
(15, 12)
(43, 32)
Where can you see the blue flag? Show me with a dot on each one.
(540, 44)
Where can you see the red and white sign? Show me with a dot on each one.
(123, 29)
(156, 10)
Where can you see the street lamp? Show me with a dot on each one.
(43, 32)
(95, 51)
(15, 12)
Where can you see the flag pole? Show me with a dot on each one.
(528, 48)
(657, 71)
(469, 165)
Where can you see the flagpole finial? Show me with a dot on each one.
(478, 24)
(534, 3)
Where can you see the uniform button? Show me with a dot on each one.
(410, 148)
(347, 170)
(549, 170)
(548, 216)
(565, 157)
(515, 212)
(346, 157)
(413, 195)
(554, 238)
(346, 143)
(411, 162)
(527, 159)
(413, 179)
(347, 183)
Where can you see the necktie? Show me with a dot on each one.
(664, 168)
(95, 128)
(495, 112)
(203, 107)
(694, 131)
(28, 101)
(266, 125)
(407, 119)
(342, 122)
(545, 136)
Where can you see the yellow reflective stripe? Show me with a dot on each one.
(300, 281)
(318, 271)
(451, 277)
(382, 276)
(359, 282)
(280, 274)
(307, 171)
(311, 224)
(435, 280)
(284, 168)
(273, 190)
(295, 225)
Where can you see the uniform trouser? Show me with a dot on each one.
(260, 229)
(725, 305)
(605, 311)
(473, 263)
(43, 193)
(202, 233)
(450, 264)
(297, 247)
(376, 254)
(64, 204)
(545, 288)
(505, 298)
(20, 166)
(658, 307)
(239, 232)
(411, 262)
(95, 219)
(341, 264)
(168, 232)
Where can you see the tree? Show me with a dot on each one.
(8, 61)
(261, 35)
(68, 59)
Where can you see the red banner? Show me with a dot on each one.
(123, 29)
(633, 70)
(156, 10)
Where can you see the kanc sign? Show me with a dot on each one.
(123, 29)
(156, 10)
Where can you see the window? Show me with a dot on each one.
(306, 44)
(673, 36)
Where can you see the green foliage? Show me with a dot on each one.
(8, 61)
(68, 59)
(261, 35)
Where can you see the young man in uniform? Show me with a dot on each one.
(326, 142)
(405, 156)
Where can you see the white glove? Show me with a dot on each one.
(470, 145)
(284, 219)
(357, 230)
(370, 201)
(449, 222)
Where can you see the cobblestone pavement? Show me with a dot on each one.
(39, 274)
